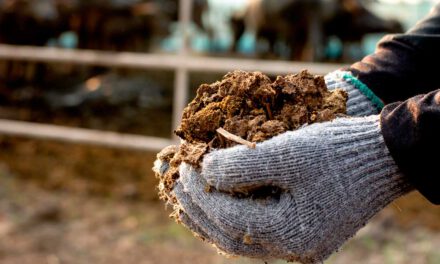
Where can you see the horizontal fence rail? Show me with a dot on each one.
(157, 61)
(83, 136)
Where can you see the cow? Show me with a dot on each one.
(135, 25)
(305, 26)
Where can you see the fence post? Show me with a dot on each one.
(181, 77)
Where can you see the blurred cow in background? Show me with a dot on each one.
(304, 26)
(132, 25)
(118, 25)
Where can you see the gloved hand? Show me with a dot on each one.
(333, 177)
(361, 100)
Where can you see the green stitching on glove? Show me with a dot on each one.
(364, 90)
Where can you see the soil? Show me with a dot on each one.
(81, 169)
(251, 106)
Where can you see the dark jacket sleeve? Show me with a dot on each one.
(412, 133)
(404, 65)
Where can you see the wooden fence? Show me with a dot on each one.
(182, 63)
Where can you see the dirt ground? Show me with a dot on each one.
(62, 203)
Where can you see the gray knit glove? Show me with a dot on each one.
(358, 104)
(333, 177)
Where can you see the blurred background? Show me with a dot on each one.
(90, 91)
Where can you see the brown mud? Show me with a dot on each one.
(251, 106)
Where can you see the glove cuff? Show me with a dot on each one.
(361, 100)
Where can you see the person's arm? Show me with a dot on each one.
(412, 133)
(404, 65)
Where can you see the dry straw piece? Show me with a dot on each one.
(235, 138)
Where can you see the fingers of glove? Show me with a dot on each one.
(195, 219)
(274, 162)
(264, 218)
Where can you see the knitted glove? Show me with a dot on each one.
(333, 178)
(361, 100)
